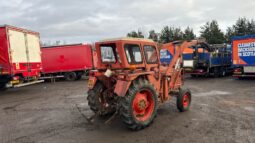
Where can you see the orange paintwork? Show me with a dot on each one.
(187, 50)
(164, 79)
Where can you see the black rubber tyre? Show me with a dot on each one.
(127, 114)
(193, 75)
(3, 87)
(223, 72)
(70, 76)
(240, 78)
(94, 101)
(216, 72)
(78, 77)
(181, 102)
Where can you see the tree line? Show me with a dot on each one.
(210, 31)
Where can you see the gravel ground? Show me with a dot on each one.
(223, 110)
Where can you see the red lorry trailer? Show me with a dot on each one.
(20, 57)
(244, 56)
(66, 61)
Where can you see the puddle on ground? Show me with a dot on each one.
(211, 93)
(249, 108)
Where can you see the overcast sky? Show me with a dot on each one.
(76, 21)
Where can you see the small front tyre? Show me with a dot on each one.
(183, 100)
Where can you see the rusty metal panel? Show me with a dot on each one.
(122, 87)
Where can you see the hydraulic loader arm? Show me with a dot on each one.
(175, 64)
(173, 78)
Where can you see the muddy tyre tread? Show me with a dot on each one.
(179, 101)
(3, 87)
(92, 95)
(126, 105)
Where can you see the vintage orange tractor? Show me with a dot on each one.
(130, 81)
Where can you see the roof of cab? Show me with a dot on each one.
(127, 39)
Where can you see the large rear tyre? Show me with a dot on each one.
(95, 101)
(139, 106)
(183, 100)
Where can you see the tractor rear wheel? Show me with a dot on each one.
(95, 102)
(183, 100)
(139, 106)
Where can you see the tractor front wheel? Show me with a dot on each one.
(139, 106)
(183, 100)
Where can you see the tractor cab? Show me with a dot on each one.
(126, 53)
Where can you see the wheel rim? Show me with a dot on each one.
(143, 105)
(185, 100)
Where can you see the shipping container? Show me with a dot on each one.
(20, 57)
(244, 56)
(66, 61)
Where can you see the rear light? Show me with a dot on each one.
(238, 70)
(16, 78)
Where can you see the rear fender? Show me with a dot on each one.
(122, 87)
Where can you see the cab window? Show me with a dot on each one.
(133, 53)
(107, 53)
(150, 54)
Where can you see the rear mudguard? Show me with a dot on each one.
(122, 87)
